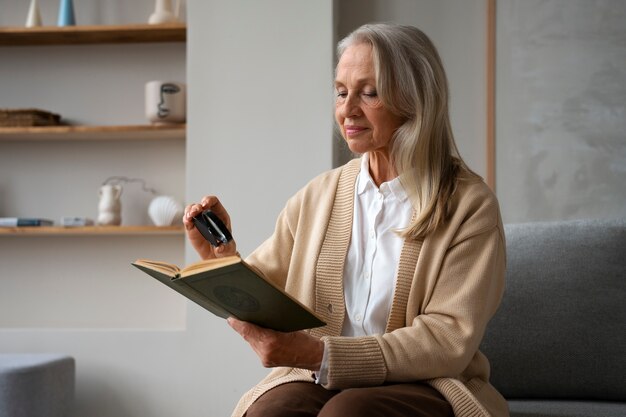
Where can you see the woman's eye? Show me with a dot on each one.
(370, 98)
(367, 97)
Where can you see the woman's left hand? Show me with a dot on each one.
(295, 349)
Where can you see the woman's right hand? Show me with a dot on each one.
(200, 244)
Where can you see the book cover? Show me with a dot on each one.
(24, 222)
(230, 287)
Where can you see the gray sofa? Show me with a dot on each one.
(36, 385)
(557, 345)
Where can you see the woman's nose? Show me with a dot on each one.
(351, 106)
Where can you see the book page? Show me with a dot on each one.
(164, 267)
(209, 264)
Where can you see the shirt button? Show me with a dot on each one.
(358, 317)
(367, 275)
(372, 234)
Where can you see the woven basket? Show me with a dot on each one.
(28, 117)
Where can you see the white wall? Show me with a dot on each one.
(260, 127)
(261, 101)
(561, 109)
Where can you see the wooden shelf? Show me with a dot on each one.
(75, 35)
(98, 133)
(93, 231)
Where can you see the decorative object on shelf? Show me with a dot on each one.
(165, 102)
(73, 221)
(66, 13)
(165, 211)
(110, 205)
(163, 12)
(34, 17)
(24, 222)
(28, 117)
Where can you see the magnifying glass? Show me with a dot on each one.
(212, 228)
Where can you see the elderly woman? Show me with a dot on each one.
(400, 251)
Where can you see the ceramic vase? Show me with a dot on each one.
(163, 13)
(110, 206)
(66, 13)
(34, 17)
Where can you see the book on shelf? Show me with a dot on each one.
(229, 286)
(28, 118)
(24, 222)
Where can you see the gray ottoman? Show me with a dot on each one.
(36, 385)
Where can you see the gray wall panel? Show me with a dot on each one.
(561, 109)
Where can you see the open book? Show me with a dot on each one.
(230, 287)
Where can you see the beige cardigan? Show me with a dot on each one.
(448, 287)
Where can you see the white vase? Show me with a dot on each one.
(163, 13)
(110, 206)
(34, 17)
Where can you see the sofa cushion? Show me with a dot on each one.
(559, 332)
(36, 385)
(546, 408)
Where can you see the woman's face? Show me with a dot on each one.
(366, 125)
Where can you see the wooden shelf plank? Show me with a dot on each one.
(92, 231)
(86, 133)
(74, 35)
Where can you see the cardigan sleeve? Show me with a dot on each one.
(457, 287)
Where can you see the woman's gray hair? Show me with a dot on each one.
(411, 83)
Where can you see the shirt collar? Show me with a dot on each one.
(365, 182)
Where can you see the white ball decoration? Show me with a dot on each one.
(165, 211)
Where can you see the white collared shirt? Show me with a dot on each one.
(373, 254)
